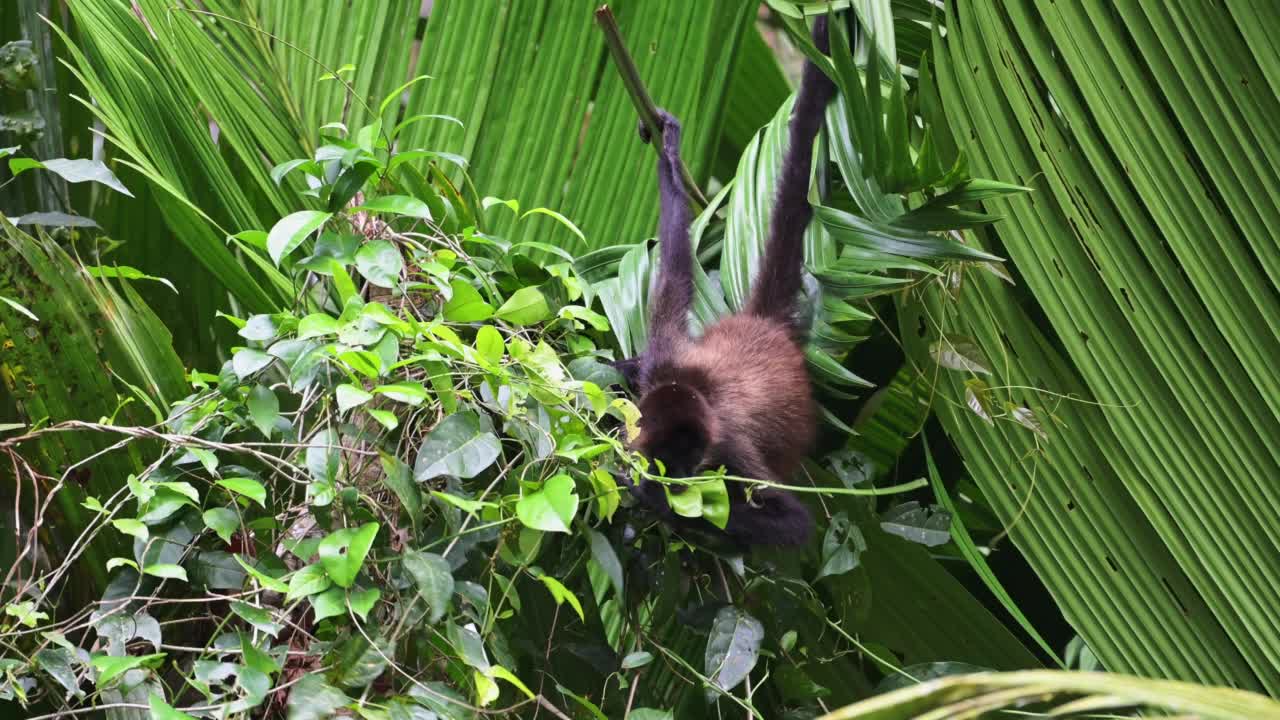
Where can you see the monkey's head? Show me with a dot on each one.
(676, 427)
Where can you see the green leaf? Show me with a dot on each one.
(78, 171)
(928, 526)
(161, 710)
(458, 446)
(603, 554)
(222, 521)
(397, 205)
(469, 645)
(264, 409)
(434, 579)
(307, 582)
(562, 594)
(126, 272)
(490, 345)
(287, 234)
(552, 508)
(380, 263)
(259, 618)
(342, 553)
(465, 304)
(350, 396)
(330, 603)
(362, 601)
(248, 361)
(410, 393)
(19, 307)
(265, 580)
(260, 328)
(636, 659)
(733, 647)
(110, 667)
(317, 325)
(527, 306)
(131, 527)
(386, 418)
(167, 571)
(246, 486)
(842, 545)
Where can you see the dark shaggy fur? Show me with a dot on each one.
(738, 396)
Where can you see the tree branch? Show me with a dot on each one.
(645, 107)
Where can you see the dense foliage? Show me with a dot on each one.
(387, 485)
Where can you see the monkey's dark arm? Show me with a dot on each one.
(778, 282)
(630, 371)
(673, 291)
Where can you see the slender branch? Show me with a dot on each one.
(645, 107)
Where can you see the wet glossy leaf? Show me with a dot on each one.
(287, 234)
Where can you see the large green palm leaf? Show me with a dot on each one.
(1146, 246)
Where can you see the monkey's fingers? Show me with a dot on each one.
(642, 129)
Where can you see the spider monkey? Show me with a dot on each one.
(739, 396)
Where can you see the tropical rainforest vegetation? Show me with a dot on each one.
(307, 309)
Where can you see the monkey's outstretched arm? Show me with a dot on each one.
(673, 291)
(774, 290)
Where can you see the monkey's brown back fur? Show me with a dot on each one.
(760, 389)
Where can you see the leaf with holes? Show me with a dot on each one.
(342, 553)
(928, 526)
(956, 352)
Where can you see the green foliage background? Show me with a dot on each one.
(387, 471)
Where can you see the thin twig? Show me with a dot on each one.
(645, 106)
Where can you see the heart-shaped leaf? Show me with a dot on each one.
(342, 553)
(362, 601)
(330, 603)
(458, 446)
(306, 582)
(552, 508)
(222, 521)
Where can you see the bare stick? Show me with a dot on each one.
(645, 107)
